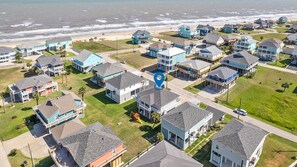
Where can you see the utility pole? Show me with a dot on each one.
(31, 156)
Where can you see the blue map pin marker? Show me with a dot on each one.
(159, 78)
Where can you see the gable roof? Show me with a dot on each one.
(108, 69)
(212, 49)
(157, 98)
(90, 143)
(160, 45)
(142, 32)
(84, 55)
(165, 155)
(63, 130)
(292, 36)
(182, 42)
(195, 64)
(185, 116)
(243, 57)
(212, 38)
(33, 81)
(5, 50)
(241, 137)
(223, 72)
(206, 27)
(172, 51)
(58, 39)
(272, 42)
(49, 60)
(294, 53)
(217, 114)
(124, 80)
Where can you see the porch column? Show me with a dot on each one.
(221, 161)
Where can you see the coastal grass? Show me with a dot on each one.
(94, 47)
(279, 36)
(283, 61)
(135, 59)
(264, 99)
(277, 151)
(281, 29)
(169, 36)
(196, 87)
(18, 160)
(119, 44)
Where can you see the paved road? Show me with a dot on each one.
(278, 68)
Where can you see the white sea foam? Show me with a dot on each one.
(23, 24)
(3, 13)
(101, 21)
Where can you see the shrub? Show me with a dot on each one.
(20, 126)
(13, 152)
(14, 117)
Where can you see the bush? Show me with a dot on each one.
(20, 126)
(14, 117)
(13, 152)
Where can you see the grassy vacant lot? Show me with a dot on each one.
(168, 36)
(281, 28)
(269, 35)
(264, 99)
(277, 151)
(119, 44)
(284, 61)
(95, 47)
(195, 87)
(135, 59)
(18, 159)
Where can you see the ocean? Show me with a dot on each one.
(24, 20)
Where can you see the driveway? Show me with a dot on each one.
(209, 93)
(38, 139)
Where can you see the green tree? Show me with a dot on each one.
(156, 117)
(160, 137)
(18, 57)
(285, 85)
(82, 90)
(36, 97)
(261, 38)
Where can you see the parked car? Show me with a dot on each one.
(240, 111)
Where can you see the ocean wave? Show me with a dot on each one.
(23, 24)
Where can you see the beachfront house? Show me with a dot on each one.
(213, 39)
(230, 28)
(23, 90)
(188, 32)
(246, 43)
(250, 26)
(168, 58)
(283, 20)
(269, 49)
(165, 155)
(293, 28)
(184, 124)
(292, 38)
(125, 87)
(221, 79)
(243, 62)
(59, 110)
(58, 43)
(237, 144)
(106, 71)
(86, 60)
(186, 45)
(50, 65)
(205, 29)
(193, 69)
(211, 53)
(153, 100)
(265, 23)
(157, 47)
(6, 54)
(30, 49)
(141, 36)
(93, 146)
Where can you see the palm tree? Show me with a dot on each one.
(160, 137)
(36, 97)
(3, 101)
(18, 57)
(82, 90)
(156, 117)
(285, 86)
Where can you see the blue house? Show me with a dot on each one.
(57, 43)
(230, 28)
(186, 45)
(184, 124)
(246, 43)
(157, 47)
(221, 79)
(283, 20)
(268, 50)
(186, 32)
(205, 29)
(86, 60)
(59, 110)
(141, 36)
(168, 58)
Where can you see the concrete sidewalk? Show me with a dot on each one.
(3, 157)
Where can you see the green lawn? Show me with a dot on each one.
(68, 54)
(18, 159)
(95, 47)
(195, 87)
(269, 35)
(284, 61)
(281, 29)
(169, 36)
(135, 59)
(119, 44)
(278, 152)
(264, 99)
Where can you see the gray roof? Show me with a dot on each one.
(157, 98)
(185, 116)
(5, 50)
(59, 39)
(90, 143)
(213, 50)
(294, 52)
(160, 45)
(141, 32)
(208, 27)
(108, 69)
(182, 42)
(124, 80)
(243, 57)
(217, 114)
(272, 42)
(165, 154)
(33, 81)
(49, 60)
(195, 64)
(242, 138)
(223, 72)
(212, 38)
(84, 55)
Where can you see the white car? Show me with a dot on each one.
(240, 111)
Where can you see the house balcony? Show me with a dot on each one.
(62, 157)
